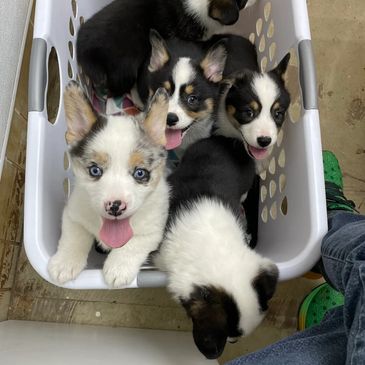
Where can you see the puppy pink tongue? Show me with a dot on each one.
(258, 153)
(173, 138)
(116, 232)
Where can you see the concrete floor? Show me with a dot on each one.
(338, 32)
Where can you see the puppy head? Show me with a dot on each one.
(256, 106)
(191, 78)
(227, 12)
(118, 161)
(220, 315)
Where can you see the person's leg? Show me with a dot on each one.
(323, 344)
(343, 257)
(340, 337)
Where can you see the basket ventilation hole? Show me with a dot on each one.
(272, 188)
(251, 38)
(66, 161)
(282, 182)
(293, 58)
(82, 20)
(270, 30)
(295, 111)
(66, 187)
(292, 81)
(263, 175)
(53, 87)
(69, 70)
(263, 193)
(74, 7)
(281, 159)
(264, 214)
(272, 50)
(274, 211)
(280, 138)
(267, 10)
(259, 26)
(71, 49)
(284, 206)
(272, 166)
(262, 44)
(71, 27)
(263, 64)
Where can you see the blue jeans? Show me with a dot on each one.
(340, 337)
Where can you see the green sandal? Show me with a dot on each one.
(323, 298)
(334, 184)
(316, 304)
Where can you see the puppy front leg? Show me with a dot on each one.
(122, 264)
(72, 252)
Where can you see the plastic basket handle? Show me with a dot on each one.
(307, 75)
(37, 76)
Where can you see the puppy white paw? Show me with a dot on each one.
(119, 274)
(64, 268)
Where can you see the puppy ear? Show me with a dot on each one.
(80, 116)
(214, 62)
(159, 53)
(155, 122)
(265, 283)
(281, 68)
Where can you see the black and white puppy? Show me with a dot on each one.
(221, 282)
(191, 75)
(113, 44)
(254, 110)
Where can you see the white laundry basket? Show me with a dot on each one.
(292, 215)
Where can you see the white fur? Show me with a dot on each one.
(182, 74)
(205, 246)
(199, 9)
(264, 125)
(267, 92)
(147, 208)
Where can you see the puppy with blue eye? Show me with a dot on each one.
(120, 196)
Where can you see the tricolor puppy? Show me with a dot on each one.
(221, 282)
(120, 195)
(255, 109)
(113, 44)
(191, 75)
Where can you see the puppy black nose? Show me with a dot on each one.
(115, 208)
(263, 141)
(172, 119)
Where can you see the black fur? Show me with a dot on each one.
(215, 317)
(177, 49)
(265, 285)
(112, 45)
(241, 53)
(216, 167)
(251, 208)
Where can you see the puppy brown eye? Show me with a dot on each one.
(248, 113)
(192, 99)
(279, 114)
